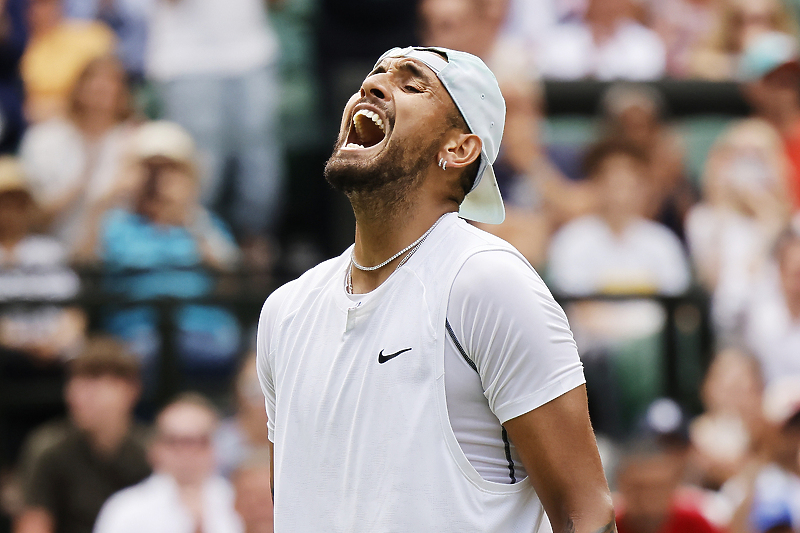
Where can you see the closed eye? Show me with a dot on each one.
(411, 89)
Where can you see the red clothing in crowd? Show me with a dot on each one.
(792, 145)
(680, 521)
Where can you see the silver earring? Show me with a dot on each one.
(443, 164)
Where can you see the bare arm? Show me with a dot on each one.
(34, 520)
(557, 446)
(272, 469)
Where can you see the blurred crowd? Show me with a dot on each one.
(141, 141)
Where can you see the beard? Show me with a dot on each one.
(386, 178)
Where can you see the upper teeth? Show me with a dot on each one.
(371, 115)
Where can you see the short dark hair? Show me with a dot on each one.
(602, 151)
(104, 355)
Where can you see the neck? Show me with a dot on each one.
(618, 222)
(107, 438)
(11, 240)
(95, 124)
(793, 304)
(383, 228)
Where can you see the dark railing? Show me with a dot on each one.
(243, 294)
(681, 97)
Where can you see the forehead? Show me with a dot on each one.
(186, 418)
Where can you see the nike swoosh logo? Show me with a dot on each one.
(383, 358)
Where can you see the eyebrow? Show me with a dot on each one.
(408, 65)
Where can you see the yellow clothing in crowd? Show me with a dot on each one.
(53, 61)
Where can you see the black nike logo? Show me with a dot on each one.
(383, 358)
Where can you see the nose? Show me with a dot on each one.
(376, 86)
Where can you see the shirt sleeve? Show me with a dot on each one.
(264, 354)
(514, 331)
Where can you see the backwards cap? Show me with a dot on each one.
(475, 91)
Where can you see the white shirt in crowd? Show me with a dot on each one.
(155, 506)
(586, 258)
(634, 52)
(208, 37)
(57, 159)
(770, 332)
(735, 247)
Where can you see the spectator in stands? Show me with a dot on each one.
(608, 44)
(168, 231)
(33, 267)
(635, 113)
(128, 19)
(13, 37)
(537, 196)
(617, 250)
(771, 325)
(101, 452)
(58, 51)
(684, 26)
(251, 480)
(774, 506)
(183, 495)
(221, 56)
(744, 207)
(726, 436)
(740, 24)
(246, 432)
(74, 164)
(648, 477)
(770, 69)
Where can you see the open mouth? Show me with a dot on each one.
(367, 130)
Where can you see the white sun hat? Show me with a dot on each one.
(475, 91)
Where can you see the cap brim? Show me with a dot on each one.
(484, 203)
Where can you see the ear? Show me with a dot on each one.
(460, 151)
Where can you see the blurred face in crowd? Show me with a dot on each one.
(95, 401)
(733, 384)
(776, 93)
(183, 446)
(460, 24)
(638, 123)
(608, 11)
(170, 194)
(16, 209)
(102, 89)
(647, 485)
(789, 262)
(752, 18)
(43, 15)
(621, 186)
(254, 498)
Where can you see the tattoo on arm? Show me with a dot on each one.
(611, 527)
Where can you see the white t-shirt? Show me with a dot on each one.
(734, 246)
(504, 318)
(208, 37)
(55, 155)
(770, 332)
(586, 258)
(154, 505)
(346, 425)
(634, 52)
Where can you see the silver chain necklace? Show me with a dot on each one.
(395, 256)
(414, 247)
